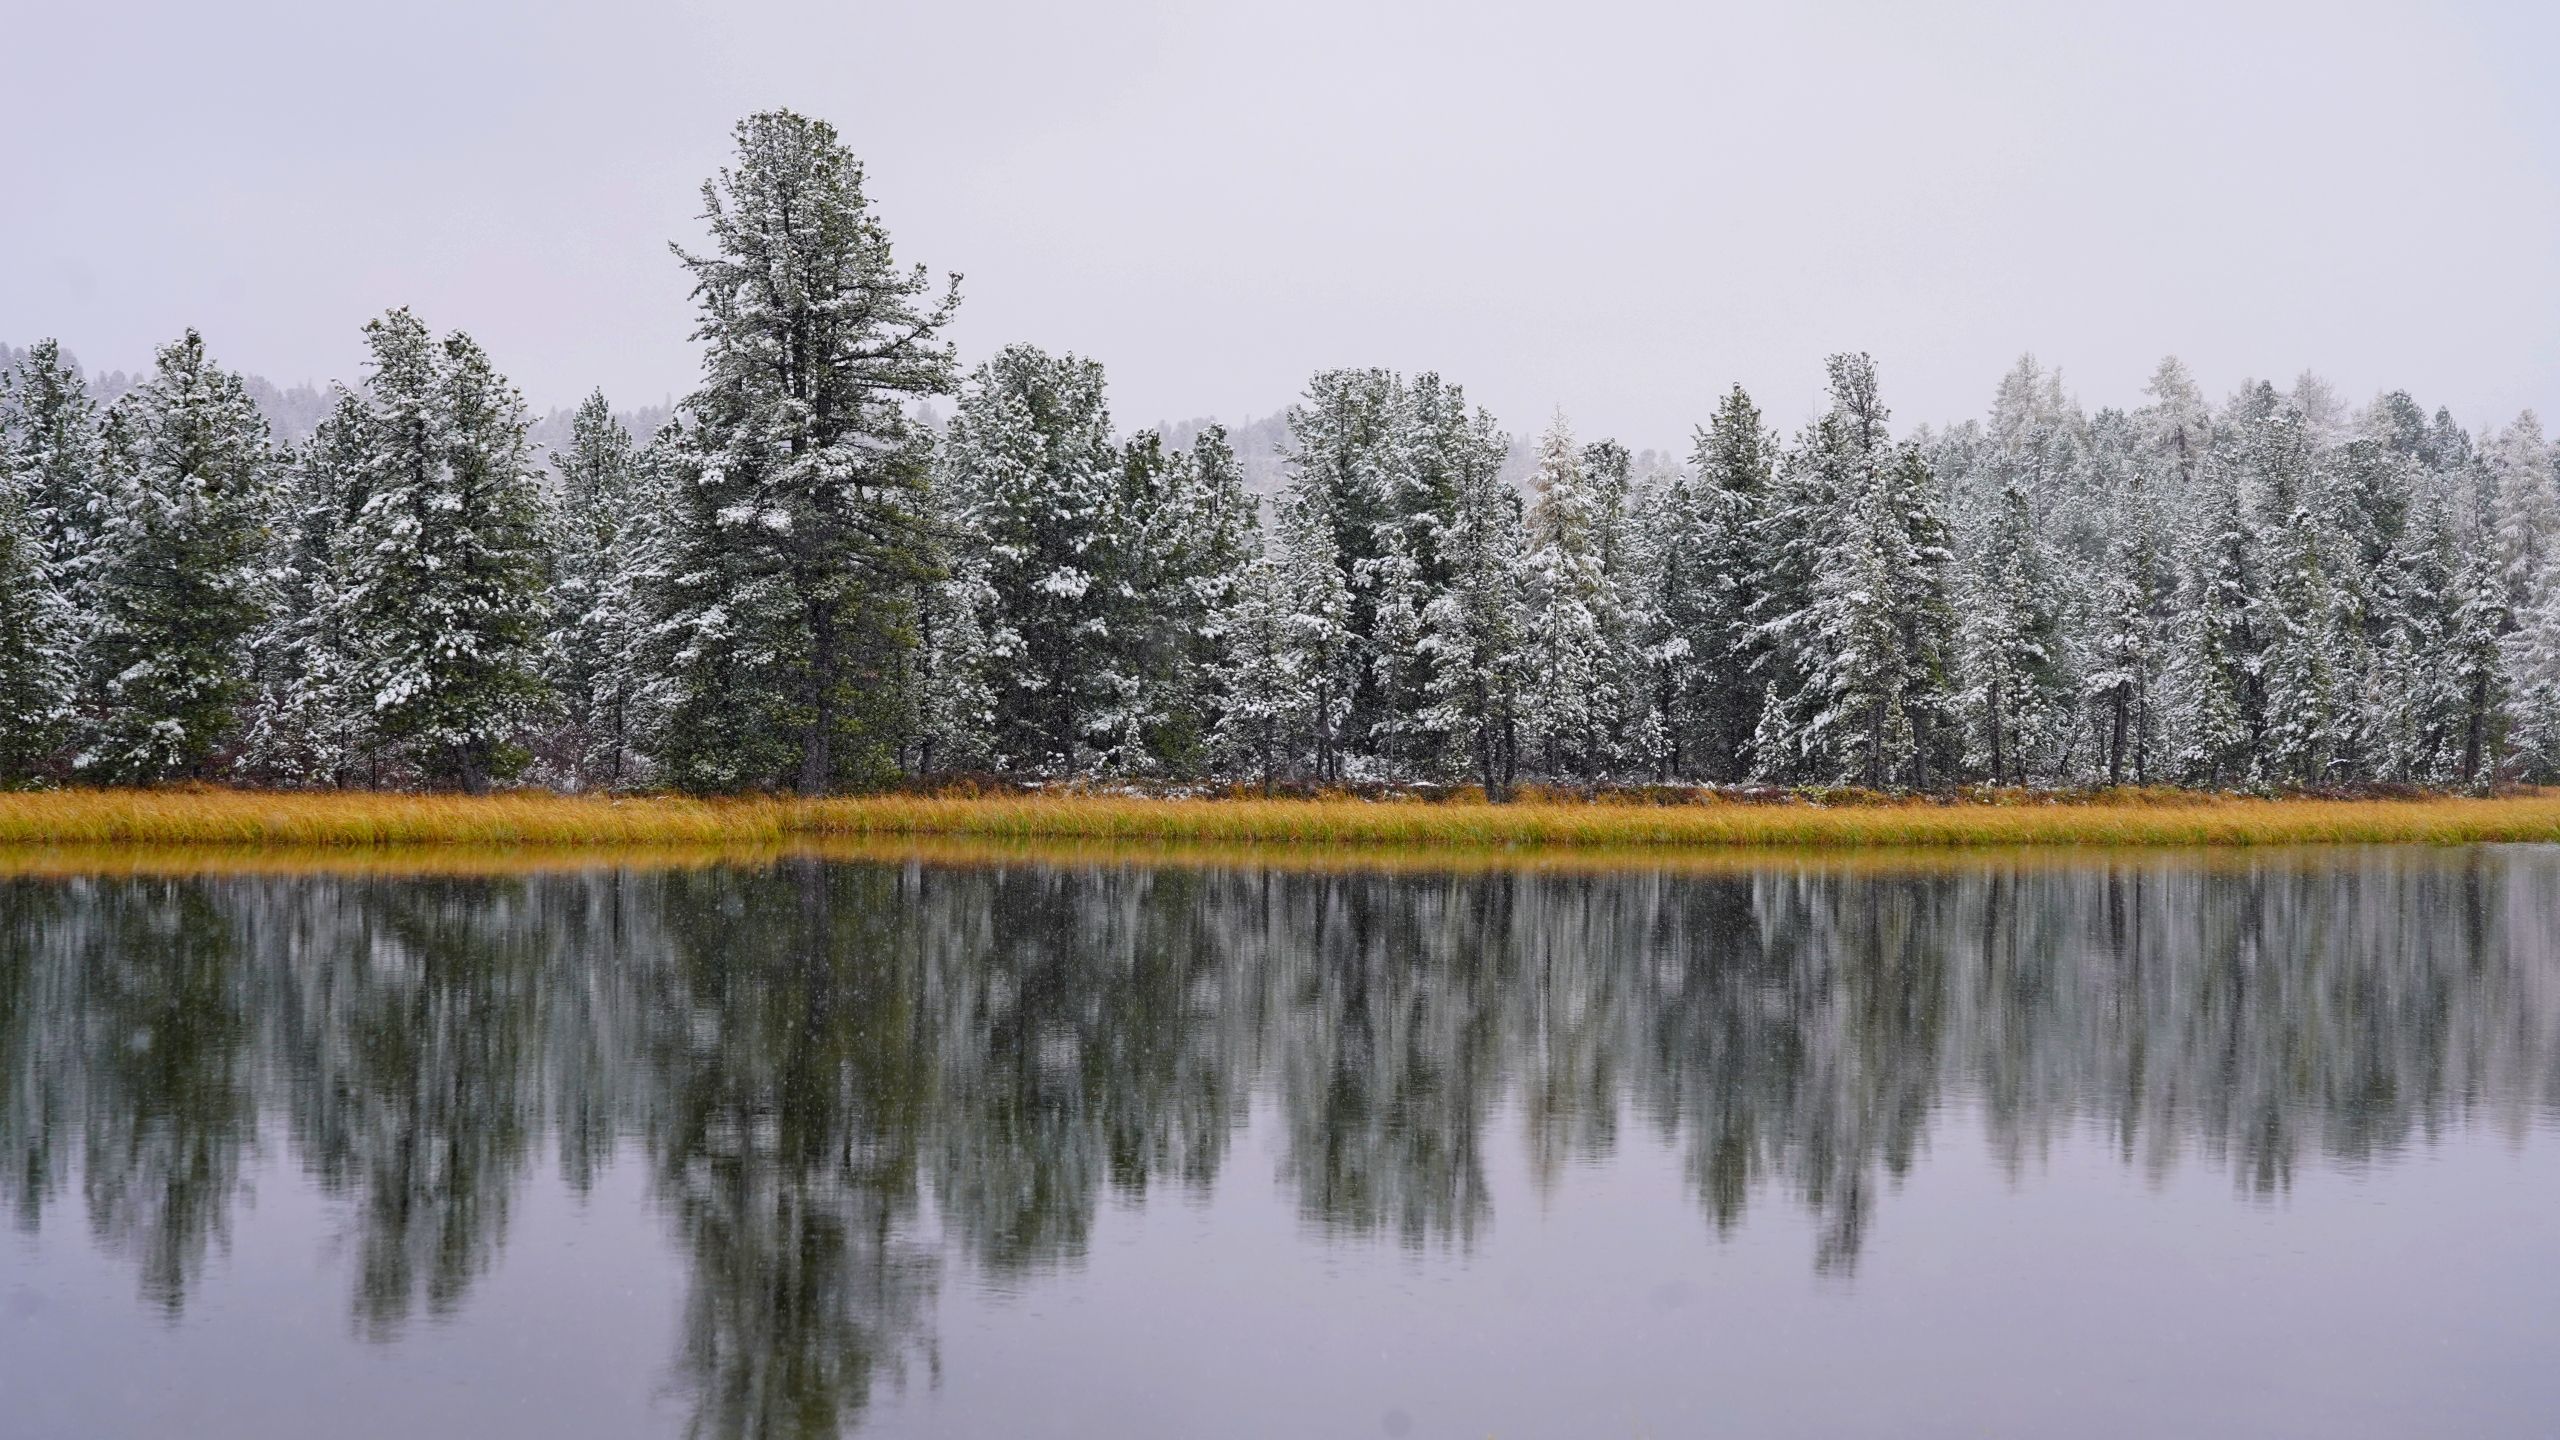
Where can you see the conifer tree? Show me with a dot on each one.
(1433, 445)
(1349, 459)
(2530, 664)
(1855, 609)
(1257, 695)
(1029, 463)
(953, 719)
(310, 724)
(596, 620)
(2017, 687)
(1319, 647)
(1709, 582)
(1626, 736)
(2526, 511)
(2221, 700)
(2176, 429)
(2307, 664)
(796, 535)
(443, 610)
(1185, 535)
(2134, 599)
(1473, 626)
(185, 475)
(1565, 679)
(52, 451)
(1666, 611)
(2452, 662)
(35, 626)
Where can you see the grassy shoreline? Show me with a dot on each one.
(237, 820)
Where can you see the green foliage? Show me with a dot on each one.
(186, 471)
(782, 593)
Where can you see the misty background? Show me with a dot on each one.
(1613, 209)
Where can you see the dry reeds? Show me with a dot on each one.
(343, 821)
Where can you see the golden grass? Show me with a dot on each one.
(227, 819)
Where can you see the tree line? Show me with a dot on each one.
(799, 583)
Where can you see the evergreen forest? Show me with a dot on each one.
(805, 580)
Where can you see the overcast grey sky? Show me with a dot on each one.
(1617, 208)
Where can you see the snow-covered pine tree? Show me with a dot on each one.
(1883, 629)
(443, 614)
(1473, 625)
(2527, 506)
(2035, 443)
(1565, 681)
(446, 575)
(1348, 461)
(1321, 651)
(2309, 664)
(1835, 515)
(1194, 531)
(952, 722)
(1149, 717)
(2387, 512)
(35, 630)
(1626, 737)
(795, 537)
(1257, 695)
(596, 623)
(2530, 665)
(2127, 647)
(1706, 580)
(308, 724)
(185, 473)
(2175, 430)
(2016, 699)
(53, 453)
(1437, 444)
(1028, 462)
(1667, 600)
(2484, 686)
(2221, 707)
(1400, 741)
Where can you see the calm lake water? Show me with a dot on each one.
(2158, 1146)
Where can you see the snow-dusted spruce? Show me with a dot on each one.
(1076, 619)
(48, 486)
(309, 723)
(1320, 643)
(1571, 690)
(795, 586)
(1029, 466)
(1473, 625)
(596, 623)
(1347, 465)
(796, 538)
(442, 615)
(35, 628)
(1186, 532)
(185, 471)
(52, 428)
(1701, 575)
(2125, 648)
(1258, 697)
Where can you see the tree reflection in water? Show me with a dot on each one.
(844, 1078)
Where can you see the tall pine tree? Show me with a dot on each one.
(443, 613)
(597, 624)
(185, 474)
(796, 535)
